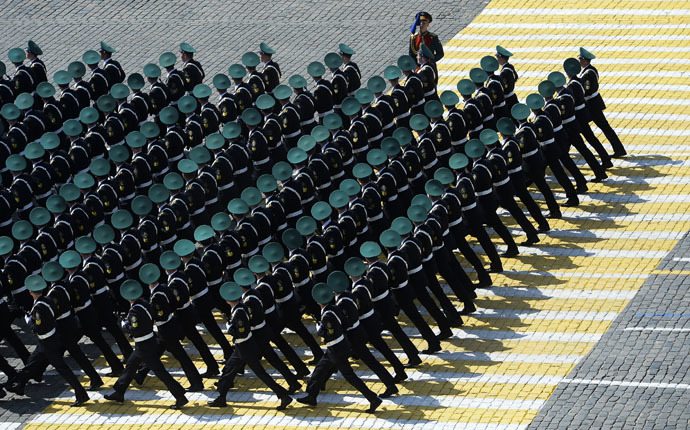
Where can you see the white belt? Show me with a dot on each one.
(5, 223)
(244, 339)
(389, 125)
(43, 195)
(515, 170)
(303, 282)
(531, 153)
(168, 240)
(322, 114)
(402, 285)
(65, 315)
(377, 137)
(297, 133)
(252, 252)
(264, 241)
(403, 115)
(436, 248)
(484, 192)
(324, 186)
(212, 201)
(177, 157)
(339, 253)
(335, 341)
(154, 247)
(84, 306)
(510, 94)
(264, 161)
(185, 306)
(117, 278)
(294, 214)
(309, 199)
(354, 326)
(559, 128)
(428, 258)
(478, 128)
(50, 333)
(415, 270)
(337, 106)
(129, 196)
(186, 225)
(444, 152)
(133, 265)
(285, 299)
(380, 296)
(3, 300)
(591, 96)
(569, 120)
(432, 164)
(235, 264)
(198, 211)
(468, 207)
(319, 271)
(144, 337)
(269, 310)
(307, 122)
(216, 282)
(376, 217)
(242, 170)
(342, 172)
(199, 294)
(145, 184)
(503, 103)
(282, 227)
(100, 291)
(257, 327)
(365, 229)
(19, 290)
(430, 92)
(489, 118)
(27, 206)
(419, 175)
(404, 188)
(367, 315)
(226, 186)
(503, 182)
(419, 103)
(459, 142)
(395, 197)
(160, 323)
(579, 107)
(358, 150)
(547, 142)
(454, 223)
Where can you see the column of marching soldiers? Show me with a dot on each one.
(148, 203)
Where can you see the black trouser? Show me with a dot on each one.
(146, 352)
(405, 297)
(563, 143)
(8, 334)
(519, 182)
(169, 340)
(505, 195)
(456, 278)
(460, 243)
(591, 138)
(274, 325)
(7, 369)
(292, 319)
(106, 315)
(419, 283)
(249, 353)
(50, 352)
(88, 318)
(552, 156)
(600, 120)
(203, 307)
(358, 339)
(431, 269)
(491, 218)
(535, 168)
(373, 326)
(387, 321)
(331, 362)
(575, 140)
(69, 334)
(187, 320)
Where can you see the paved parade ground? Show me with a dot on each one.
(587, 329)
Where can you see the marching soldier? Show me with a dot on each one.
(323, 90)
(508, 77)
(175, 79)
(255, 80)
(424, 37)
(113, 69)
(271, 69)
(305, 103)
(589, 77)
(191, 69)
(140, 324)
(350, 68)
(427, 73)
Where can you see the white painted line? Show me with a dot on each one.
(577, 27)
(566, 37)
(627, 217)
(568, 275)
(640, 162)
(589, 11)
(551, 293)
(609, 74)
(11, 426)
(240, 397)
(604, 87)
(628, 383)
(545, 315)
(570, 48)
(231, 420)
(663, 180)
(684, 259)
(596, 253)
(646, 100)
(559, 62)
(656, 329)
(626, 235)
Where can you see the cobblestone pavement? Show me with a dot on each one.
(552, 305)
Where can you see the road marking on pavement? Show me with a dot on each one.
(628, 383)
(656, 329)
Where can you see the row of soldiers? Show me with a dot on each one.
(270, 215)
